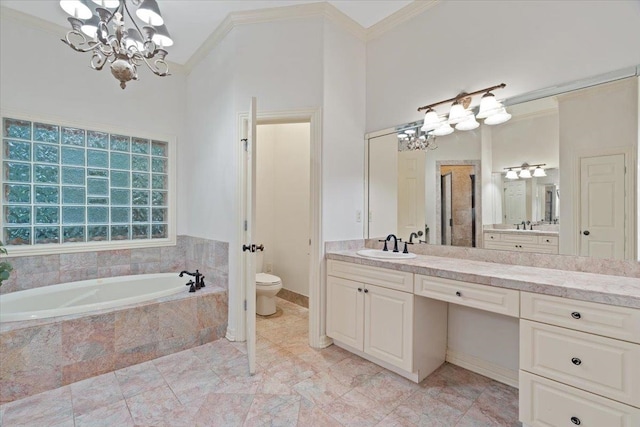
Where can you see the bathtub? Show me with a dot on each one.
(88, 295)
(78, 330)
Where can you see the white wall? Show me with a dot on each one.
(464, 45)
(282, 202)
(40, 76)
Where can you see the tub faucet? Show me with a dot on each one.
(199, 283)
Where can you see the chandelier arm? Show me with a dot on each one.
(155, 69)
(77, 48)
(463, 95)
(131, 17)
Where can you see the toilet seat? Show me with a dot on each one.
(264, 279)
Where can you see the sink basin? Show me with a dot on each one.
(377, 253)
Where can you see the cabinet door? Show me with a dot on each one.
(388, 326)
(345, 307)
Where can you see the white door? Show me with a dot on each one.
(602, 207)
(249, 245)
(345, 307)
(446, 209)
(411, 203)
(515, 201)
(388, 325)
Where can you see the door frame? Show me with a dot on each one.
(478, 191)
(317, 295)
(630, 200)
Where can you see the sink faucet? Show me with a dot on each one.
(395, 241)
(199, 283)
(411, 236)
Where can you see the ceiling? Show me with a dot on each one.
(190, 22)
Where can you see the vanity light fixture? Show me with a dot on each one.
(525, 171)
(102, 32)
(460, 116)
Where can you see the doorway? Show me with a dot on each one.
(458, 211)
(282, 206)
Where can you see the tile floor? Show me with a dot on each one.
(295, 385)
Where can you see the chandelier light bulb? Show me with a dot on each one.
(511, 174)
(90, 26)
(76, 8)
(149, 13)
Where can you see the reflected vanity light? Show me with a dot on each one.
(525, 171)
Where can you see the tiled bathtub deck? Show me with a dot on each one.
(295, 385)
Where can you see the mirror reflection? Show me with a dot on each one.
(558, 178)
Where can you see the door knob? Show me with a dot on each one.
(586, 232)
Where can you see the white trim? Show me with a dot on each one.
(60, 248)
(482, 367)
(317, 299)
(399, 17)
(630, 164)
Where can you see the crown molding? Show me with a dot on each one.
(58, 30)
(399, 17)
(274, 14)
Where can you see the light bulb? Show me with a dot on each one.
(511, 174)
(539, 172)
(443, 130)
(469, 123)
(525, 173)
(501, 116)
(488, 106)
(431, 120)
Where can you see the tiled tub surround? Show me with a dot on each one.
(46, 354)
(209, 256)
(606, 289)
(611, 267)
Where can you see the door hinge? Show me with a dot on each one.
(245, 305)
(245, 142)
(245, 225)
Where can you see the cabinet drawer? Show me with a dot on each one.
(391, 279)
(601, 319)
(492, 237)
(520, 238)
(548, 240)
(551, 404)
(604, 366)
(489, 298)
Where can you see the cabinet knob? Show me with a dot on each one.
(576, 361)
(458, 293)
(366, 291)
(491, 237)
(548, 241)
(359, 289)
(575, 315)
(576, 421)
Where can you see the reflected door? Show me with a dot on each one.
(411, 197)
(602, 207)
(515, 201)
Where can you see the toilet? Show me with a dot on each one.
(267, 286)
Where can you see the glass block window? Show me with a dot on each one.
(69, 185)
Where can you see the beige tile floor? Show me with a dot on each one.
(295, 385)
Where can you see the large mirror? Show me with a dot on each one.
(579, 145)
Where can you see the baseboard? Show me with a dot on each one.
(231, 334)
(294, 297)
(482, 367)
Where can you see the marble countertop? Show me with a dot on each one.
(612, 290)
(523, 232)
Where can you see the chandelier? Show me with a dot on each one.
(102, 31)
(414, 138)
(461, 117)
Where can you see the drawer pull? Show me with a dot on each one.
(576, 361)
(575, 315)
(576, 421)
(366, 291)
(458, 293)
(359, 289)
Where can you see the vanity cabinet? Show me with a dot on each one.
(521, 242)
(388, 326)
(579, 362)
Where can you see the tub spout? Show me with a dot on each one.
(199, 283)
